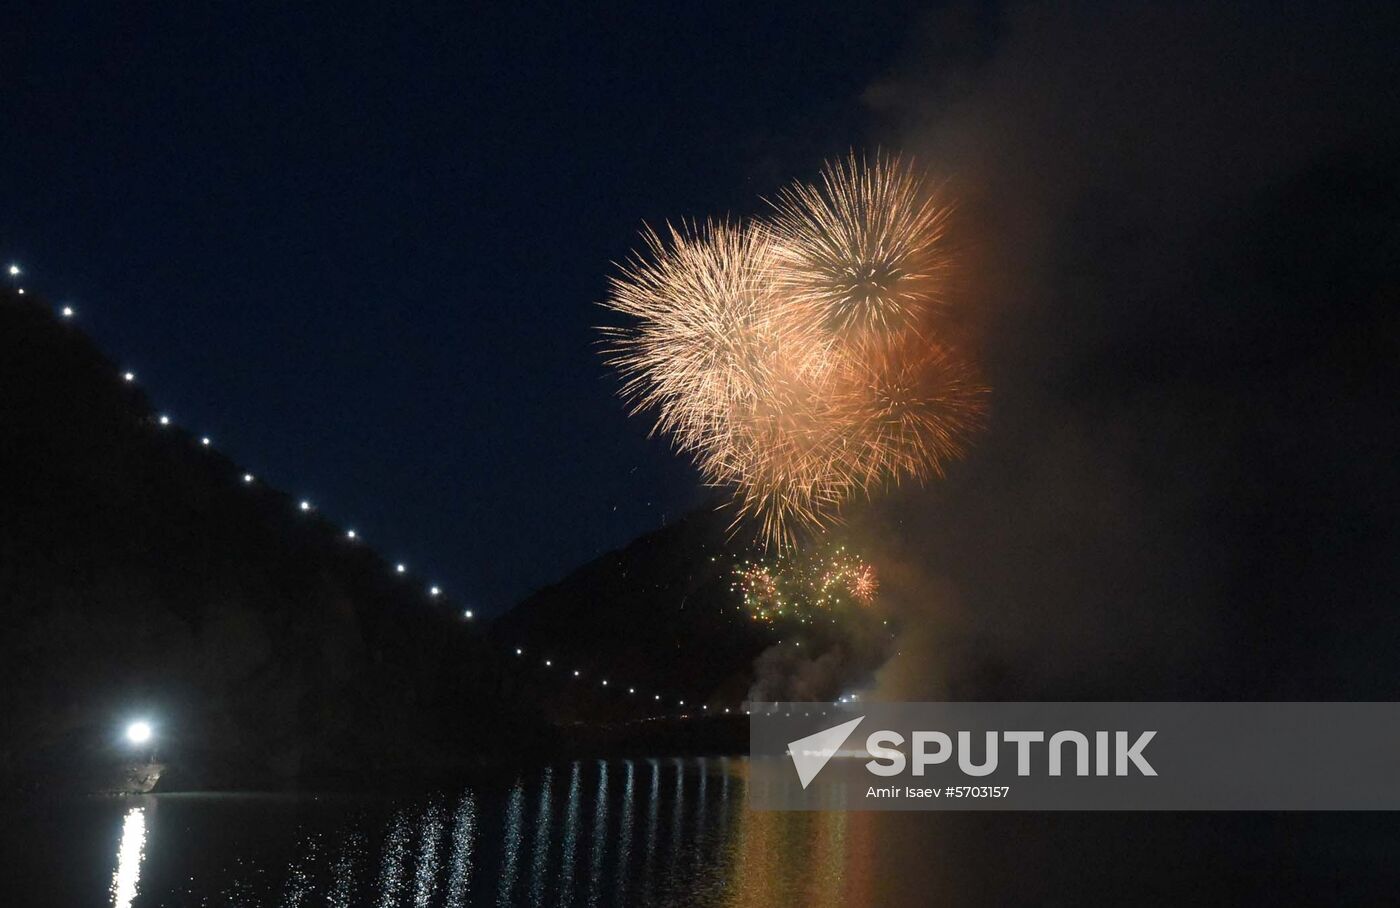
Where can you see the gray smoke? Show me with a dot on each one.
(1114, 164)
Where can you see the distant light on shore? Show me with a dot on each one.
(138, 732)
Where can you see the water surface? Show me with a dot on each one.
(665, 832)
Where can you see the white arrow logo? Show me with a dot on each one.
(810, 754)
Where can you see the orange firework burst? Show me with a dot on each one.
(797, 361)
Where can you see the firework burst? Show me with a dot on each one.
(797, 360)
(865, 247)
(817, 587)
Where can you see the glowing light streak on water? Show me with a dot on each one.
(624, 839)
(463, 847)
(126, 881)
(652, 801)
(600, 835)
(347, 859)
(394, 861)
(515, 820)
(566, 863)
(539, 871)
(425, 878)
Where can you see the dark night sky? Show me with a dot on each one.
(362, 249)
(364, 252)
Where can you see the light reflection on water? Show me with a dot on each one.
(662, 832)
(565, 835)
(129, 852)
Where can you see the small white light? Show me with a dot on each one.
(469, 614)
(305, 505)
(605, 682)
(547, 663)
(165, 420)
(350, 534)
(400, 568)
(128, 376)
(247, 478)
(138, 732)
(575, 673)
(682, 703)
(435, 591)
(631, 690)
(658, 696)
(519, 651)
(14, 271)
(67, 310)
(205, 441)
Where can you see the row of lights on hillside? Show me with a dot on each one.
(305, 506)
(631, 691)
(164, 420)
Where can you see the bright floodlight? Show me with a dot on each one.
(605, 682)
(305, 505)
(519, 651)
(205, 441)
(138, 732)
(67, 310)
(547, 663)
(350, 534)
(14, 271)
(435, 591)
(248, 478)
(575, 673)
(400, 568)
(469, 614)
(165, 420)
(128, 376)
(658, 696)
(631, 690)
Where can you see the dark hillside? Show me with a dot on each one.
(140, 575)
(658, 615)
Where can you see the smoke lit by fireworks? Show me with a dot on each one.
(806, 588)
(800, 360)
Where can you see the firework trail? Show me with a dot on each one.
(798, 360)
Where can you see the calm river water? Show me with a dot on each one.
(666, 832)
